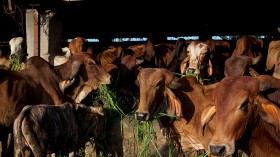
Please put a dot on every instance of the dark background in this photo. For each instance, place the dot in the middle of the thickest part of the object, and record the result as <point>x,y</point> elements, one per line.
<point>109,19</point>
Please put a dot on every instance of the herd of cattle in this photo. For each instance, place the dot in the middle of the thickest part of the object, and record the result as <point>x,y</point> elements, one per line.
<point>222,97</point>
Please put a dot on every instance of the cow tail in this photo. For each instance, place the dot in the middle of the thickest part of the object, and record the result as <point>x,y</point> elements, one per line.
<point>19,140</point>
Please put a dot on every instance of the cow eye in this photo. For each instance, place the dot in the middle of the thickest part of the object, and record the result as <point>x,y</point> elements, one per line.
<point>91,63</point>
<point>244,106</point>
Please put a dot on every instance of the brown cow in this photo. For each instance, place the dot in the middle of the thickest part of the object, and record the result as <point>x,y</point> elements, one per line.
<point>251,47</point>
<point>161,92</point>
<point>240,65</point>
<point>162,55</point>
<point>80,64</point>
<point>244,118</point>
<point>40,82</point>
<point>78,44</point>
<point>44,129</point>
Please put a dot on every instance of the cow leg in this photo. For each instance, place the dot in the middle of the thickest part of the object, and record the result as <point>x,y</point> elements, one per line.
<point>38,152</point>
<point>6,143</point>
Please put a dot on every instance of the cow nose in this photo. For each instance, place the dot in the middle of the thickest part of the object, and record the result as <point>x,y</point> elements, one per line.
<point>217,150</point>
<point>141,116</point>
<point>190,70</point>
<point>12,56</point>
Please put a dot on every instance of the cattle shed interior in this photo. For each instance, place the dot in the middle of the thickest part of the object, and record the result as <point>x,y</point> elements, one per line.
<point>105,20</point>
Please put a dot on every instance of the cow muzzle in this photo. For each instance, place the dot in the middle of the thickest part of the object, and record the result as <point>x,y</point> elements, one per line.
<point>221,149</point>
<point>141,116</point>
<point>217,150</point>
<point>190,71</point>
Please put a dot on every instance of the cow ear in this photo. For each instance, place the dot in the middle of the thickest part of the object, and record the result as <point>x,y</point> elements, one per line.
<point>206,116</point>
<point>75,69</point>
<point>270,113</point>
<point>149,50</point>
<point>136,82</point>
<point>184,65</point>
<point>172,103</point>
<point>210,68</point>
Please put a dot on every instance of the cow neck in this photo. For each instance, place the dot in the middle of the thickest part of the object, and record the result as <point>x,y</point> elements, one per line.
<point>63,71</point>
<point>264,136</point>
<point>259,138</point>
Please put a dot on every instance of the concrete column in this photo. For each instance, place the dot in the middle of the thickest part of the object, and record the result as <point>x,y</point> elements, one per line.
<point>50,35</point>
<point>43,39</point>
<point>32,29</point>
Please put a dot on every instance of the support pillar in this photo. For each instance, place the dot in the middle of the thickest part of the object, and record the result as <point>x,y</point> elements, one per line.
<point>32,28</point>
<point>44,37</point>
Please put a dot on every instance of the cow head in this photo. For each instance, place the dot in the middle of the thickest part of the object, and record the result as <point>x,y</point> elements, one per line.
<point>91,120</point>
<point>78,44</point>
<point>198,60</point>
<point>273,54</point>
<point>238,104</point>
<point>17,46</point>
<point>240,65</point>
<point>156,95</point>
<point>88,75</point>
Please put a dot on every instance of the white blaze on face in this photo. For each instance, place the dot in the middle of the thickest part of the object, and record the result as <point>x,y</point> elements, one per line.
<point>196,52</point>
<point>16,45</point>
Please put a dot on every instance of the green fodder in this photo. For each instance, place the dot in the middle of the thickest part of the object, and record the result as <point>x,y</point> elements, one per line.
<point>15,62</point>
<point>143,138</point>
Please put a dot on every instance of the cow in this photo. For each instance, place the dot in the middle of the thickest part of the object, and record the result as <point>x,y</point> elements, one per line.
<point>162,55</point>
<point>272,59</point>
<point>182,99</point>
<point>240,65</point>
<point>18,47</point>
<point>220,53</point>
<point>41,82</point>
<point>78,44</point>
<point>251,47</point>
<point>81,66</point>
<point>45,129</point>
<point>198,61</point>
<point>16,56</point>
<point>244,118</point>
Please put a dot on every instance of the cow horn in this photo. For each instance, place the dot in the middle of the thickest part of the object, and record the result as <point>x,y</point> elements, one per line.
<point>210,68</point>
<point>149,50</point>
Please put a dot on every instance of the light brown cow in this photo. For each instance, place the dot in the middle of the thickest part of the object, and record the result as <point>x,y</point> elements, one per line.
<point>272,60</point>
<point>244,118</point>
<point>161,92</point>
<point>198,60</point>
